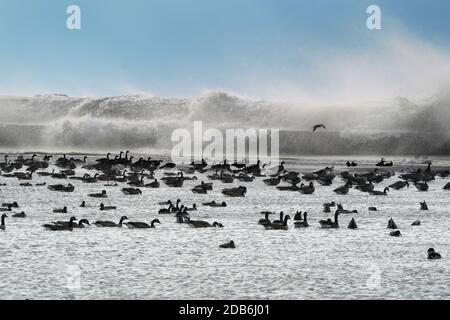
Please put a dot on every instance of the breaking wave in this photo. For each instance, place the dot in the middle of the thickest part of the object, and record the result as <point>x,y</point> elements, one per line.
<point>50,122</point>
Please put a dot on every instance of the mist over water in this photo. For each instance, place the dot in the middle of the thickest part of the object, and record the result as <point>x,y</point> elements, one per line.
<point>140,122</point>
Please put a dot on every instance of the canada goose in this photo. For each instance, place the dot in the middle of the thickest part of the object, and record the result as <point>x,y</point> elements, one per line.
<point>423,206</point>
<point>63,210</point>
<point>106,208</point>
<point>266,219</point>
<point>41,184</point>
<point>98,195</point>
<point>142,225</point>
<point>352,224</point>
<point>163,203</point>
<point>215,204</point>
<point>317,126</point>
<point>80,224</point>
<point>383,163</point>
<point>194,208</point>
<point>272,181</point>
<point>228,245</point>
<point>166,210</point>
<point>278,226</point>
<point>206,186</point>
<point>177,206</point>
<point>280,221</point>
<point>235,192</point>
<point>373,209</point>
<point>447,186</point>
<point>307,189</point>
<point>298,216</point>
<point>366,187</point>
<point>329,223</point>
<point>304,223</point>
<point>110,224</point>
<point>421,186</point>
<point>201,224</point>
<point>395,233</point>
<point>340,209</point>
<point>399,185</point>
<point>344,189</point>
<point>60,227</point>
<point>226,178</point>
<point>62,188</point>
<point>379,193</point>
<point>416,223</point>
<point>11,205</point>
<point>433,254</point>
<point>131,191</point>
<point>391,224</point>
<point>199,190</point>
<point>46,174</point>
<point>19,215</point>
<point>154,184</point>
<point>326,207</point>
<point>2,226</point>
<point>27,184</point>
<point>83,204</point>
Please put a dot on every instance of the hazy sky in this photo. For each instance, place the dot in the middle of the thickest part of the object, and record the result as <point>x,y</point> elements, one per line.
<point>287,49</point>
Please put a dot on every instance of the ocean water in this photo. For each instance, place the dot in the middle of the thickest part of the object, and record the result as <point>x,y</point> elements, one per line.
<point>174,261</point>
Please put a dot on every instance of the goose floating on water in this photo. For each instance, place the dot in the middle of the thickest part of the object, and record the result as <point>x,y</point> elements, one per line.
<point>421,186</point>
<point>11,205</point>
<point>266,219</point>
<point>201,224</point>
<point>106,208</point>
<point>433,254</point>
<point>395,233</point>
<point>379,193</point>
<point>391,224</point>
<point>62,188</point>
<point>235,192</point>
<point>98,195</point>
<point>142,225</point>
<point>78,225</point>
<point>399,185</point>
<point>63,210</point>
<point>60,227</point>
<point>2,225</point>
<point>228,245</point>
<point>303,223</point>
<point>19,215</point>
<point>110,224</point>
<point>423,205</point>
<point>131,191</point>
<point>278,226</point>
<point>309,189</point>
<point>215,204</point>
<point>329,224</point>
<point>344,189</point>
<point>352,224</point>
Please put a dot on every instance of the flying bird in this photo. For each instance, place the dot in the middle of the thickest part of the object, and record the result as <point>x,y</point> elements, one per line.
<point>317,126</point>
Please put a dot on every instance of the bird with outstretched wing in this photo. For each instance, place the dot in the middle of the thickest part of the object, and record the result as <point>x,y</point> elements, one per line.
<point>317,126</point>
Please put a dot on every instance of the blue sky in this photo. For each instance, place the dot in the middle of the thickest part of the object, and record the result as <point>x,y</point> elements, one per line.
<point>180,48</point>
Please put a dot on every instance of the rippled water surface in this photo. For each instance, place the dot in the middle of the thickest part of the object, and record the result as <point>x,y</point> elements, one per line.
<point>174,261</point>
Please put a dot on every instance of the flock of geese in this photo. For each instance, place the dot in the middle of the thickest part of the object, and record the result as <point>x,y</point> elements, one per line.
<point>135,176</point>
